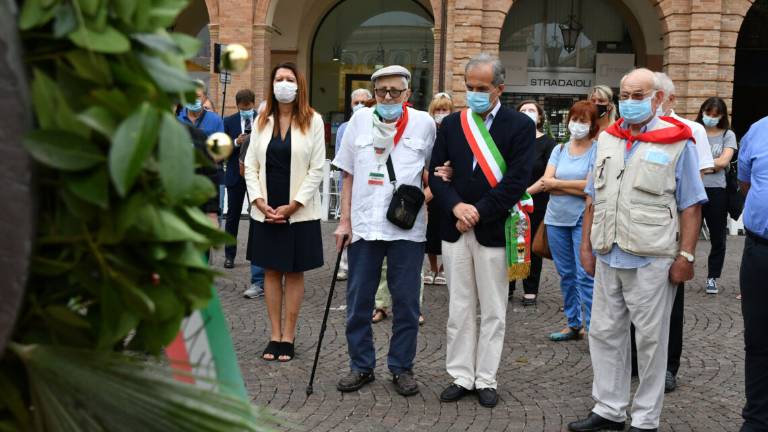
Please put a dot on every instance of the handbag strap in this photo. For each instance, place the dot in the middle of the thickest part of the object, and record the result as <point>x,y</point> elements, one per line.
<point>391,170</point>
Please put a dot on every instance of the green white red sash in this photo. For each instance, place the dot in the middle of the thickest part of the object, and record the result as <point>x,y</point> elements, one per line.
<point>517,228</point>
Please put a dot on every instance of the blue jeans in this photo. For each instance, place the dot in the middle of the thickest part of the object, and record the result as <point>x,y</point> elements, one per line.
<point>404,260</point>
<point>257,275</point>
<point>575,284</point>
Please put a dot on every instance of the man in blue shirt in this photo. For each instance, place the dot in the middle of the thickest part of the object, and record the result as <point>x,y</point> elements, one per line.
<point>753,179</point>
<point>193,114</point>
<point>643,225</point>
<point>209,122</point>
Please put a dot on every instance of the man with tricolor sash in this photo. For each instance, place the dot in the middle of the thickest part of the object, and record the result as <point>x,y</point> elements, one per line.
<point>389,131</point>
<point>641,223</point>
<point>485,228</point>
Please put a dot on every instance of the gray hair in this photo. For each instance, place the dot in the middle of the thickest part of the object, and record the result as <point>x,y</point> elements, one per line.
<point>405,81</point>
<point>201,85</point>
<point>359,91</point>
<point>656,83</point>
<point>484,59</point>
<point>665,83</point>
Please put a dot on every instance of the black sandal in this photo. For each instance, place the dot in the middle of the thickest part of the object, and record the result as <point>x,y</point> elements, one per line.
<point>273,349</point>
<point>286,349</point>
<point>529,301</point>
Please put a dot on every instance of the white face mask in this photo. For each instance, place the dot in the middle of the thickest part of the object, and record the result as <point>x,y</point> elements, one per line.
<point>439,117</point>
<point>357,107</point>
<point>578,130</point>
<point>285,91</point>
<point>533,115</point>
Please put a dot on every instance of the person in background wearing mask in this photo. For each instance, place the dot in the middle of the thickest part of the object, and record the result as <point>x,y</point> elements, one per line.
<point>209,123</point>
<point>565,179</point>
<point>642,220</point>
<point>753,175</point>
<point>543,150</point>
<point>193,113</point>
<point>713,115</point>
<point>675,350</point>
<point>390,130</point>
<point>491,150</point>
<point>238,126</point>
<point>358,98</point>
<point>439,108</point>
<point>283,172</point>
<point>602,97</point>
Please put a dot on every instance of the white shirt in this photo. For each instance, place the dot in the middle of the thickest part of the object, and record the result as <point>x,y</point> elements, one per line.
<point>702,142</point>
<point>488,123</point>
<point>409,158</point>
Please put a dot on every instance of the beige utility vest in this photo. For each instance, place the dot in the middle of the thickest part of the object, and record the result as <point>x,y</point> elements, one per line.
<point>634,203</point>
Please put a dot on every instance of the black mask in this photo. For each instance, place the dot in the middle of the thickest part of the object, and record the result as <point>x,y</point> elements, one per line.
<point>602,110</point>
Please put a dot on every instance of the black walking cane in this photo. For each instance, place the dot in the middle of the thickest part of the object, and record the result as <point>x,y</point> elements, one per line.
<point>325,316</point>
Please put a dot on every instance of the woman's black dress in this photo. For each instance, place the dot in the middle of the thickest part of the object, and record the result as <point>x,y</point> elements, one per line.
<point>289,247</point>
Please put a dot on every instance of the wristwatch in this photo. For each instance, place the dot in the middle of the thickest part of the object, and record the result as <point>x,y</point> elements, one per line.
<point>688,256</point>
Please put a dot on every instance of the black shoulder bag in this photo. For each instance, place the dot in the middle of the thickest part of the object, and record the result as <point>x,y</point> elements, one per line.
<point>406,201</point>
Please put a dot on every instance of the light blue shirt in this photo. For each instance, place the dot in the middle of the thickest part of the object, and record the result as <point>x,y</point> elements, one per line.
<point>753,169</point>
<point>689,191</point>
<point>566,210</point>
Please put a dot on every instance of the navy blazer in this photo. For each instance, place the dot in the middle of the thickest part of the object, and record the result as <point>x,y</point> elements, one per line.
<point>515,135</point>
<point>233,129</point>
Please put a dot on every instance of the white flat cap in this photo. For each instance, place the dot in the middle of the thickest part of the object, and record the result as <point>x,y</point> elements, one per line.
<point>394,70</point>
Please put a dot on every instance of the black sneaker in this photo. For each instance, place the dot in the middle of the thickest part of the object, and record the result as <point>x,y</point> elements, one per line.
<point>637,429</point>
<point>405,384</point>
<point>487,397</point>
<point>229,263</point>
<point>670,383</point>
<point>354,381</point>
<point>594,423</point>
<point>453,392</point>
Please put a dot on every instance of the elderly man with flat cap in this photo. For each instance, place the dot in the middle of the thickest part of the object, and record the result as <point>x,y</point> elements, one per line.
<point>390,130</point>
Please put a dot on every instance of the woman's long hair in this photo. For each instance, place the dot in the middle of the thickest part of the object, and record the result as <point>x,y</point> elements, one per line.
<point>302,112</point>
<point>715,104</point>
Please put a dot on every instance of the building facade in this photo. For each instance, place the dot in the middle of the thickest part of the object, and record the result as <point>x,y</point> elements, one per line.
<point>553,50</point>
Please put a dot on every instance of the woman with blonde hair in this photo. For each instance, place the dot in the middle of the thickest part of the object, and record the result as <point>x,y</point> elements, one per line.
<point>283,171</point>
<point>439,108</point>
<point>602,96</point>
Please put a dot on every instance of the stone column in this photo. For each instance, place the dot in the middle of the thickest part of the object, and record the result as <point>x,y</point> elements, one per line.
<point>261,62</point>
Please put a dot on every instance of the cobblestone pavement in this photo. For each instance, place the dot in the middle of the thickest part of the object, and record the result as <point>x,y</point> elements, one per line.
<point>542,385</point>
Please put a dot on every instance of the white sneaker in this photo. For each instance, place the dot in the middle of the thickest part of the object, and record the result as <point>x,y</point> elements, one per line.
<point>428,278</point>
<point>711,286</point>
<point>440,279</point>
<point>254,291</point>
<point>341,275</point>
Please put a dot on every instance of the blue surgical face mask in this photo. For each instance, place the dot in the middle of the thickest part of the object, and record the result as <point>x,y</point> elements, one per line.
<point>636,112</point>
<point>479,102</point>
<point>246,114</point>
<point>710,122</point>
<point>389,111</point>
<point>357,107</point>
<point>195,106</point>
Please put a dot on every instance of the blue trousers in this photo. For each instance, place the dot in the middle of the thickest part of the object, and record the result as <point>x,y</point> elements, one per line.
<point>257,275</point>
<point>575,284</point>
<point>404,260</point>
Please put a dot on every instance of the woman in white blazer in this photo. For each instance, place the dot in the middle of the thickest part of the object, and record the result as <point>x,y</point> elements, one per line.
<point>283,171</point>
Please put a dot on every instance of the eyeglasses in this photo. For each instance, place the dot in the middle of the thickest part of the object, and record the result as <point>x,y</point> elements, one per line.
<point>393,93</point>
<point>638,95</point>
<point>441,95</point>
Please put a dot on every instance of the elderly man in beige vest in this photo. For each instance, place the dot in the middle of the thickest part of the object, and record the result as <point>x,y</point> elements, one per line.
<point>640,230</point>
